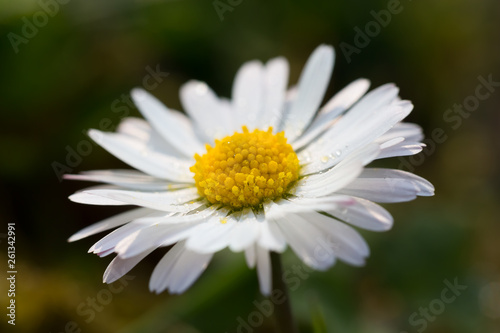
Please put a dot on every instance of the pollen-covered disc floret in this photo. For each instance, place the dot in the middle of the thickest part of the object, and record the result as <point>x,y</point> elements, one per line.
<point>246,168</point>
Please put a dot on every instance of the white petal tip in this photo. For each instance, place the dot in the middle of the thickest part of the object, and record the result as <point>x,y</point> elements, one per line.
<point>74,238</point>
<point>138,93</point>
<point>95,135</point>
<point>326,48</point>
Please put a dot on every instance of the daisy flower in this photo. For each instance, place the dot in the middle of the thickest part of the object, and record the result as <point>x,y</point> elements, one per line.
<point>269,168</point>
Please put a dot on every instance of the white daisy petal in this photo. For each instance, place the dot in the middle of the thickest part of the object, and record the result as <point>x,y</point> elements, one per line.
<point>112,239</point>
<point>250,256</point>
<point>85,196</point>
<point>362,112</point>
<point>339,239</point>
<point>408,131</point>
<point>334,179</point>
<point>213,234</point>
<point>320,125</point>
<point>137,155</point>
<point>337,177</point>
<point>245,231</point>
<point>401,149</point>
<point>105,253</point>
<point>305,239</point>
<point>160,277</point>
<point>210,114</point>
<point>311,89</point>
<point>387,185</point>
<point>248,93</point>
<point>137,128</point>
<point>162,230</point>
<point>346,97</point>
<point>271,237</point>
<point>140,130</point>
<point>182,200</point>
<point>187,269</point>
<point>172,125</point>
<point>347,137</point>
<point>378,97</point>
<point>264,270</point>
<point>118,267</point>
<point>178,269</point>
<point>330,112</point>
<point>356,211</point>
<point>276,80</point>
<point>110,223</point>
<point>130,179</point>
<point>304,205</point>
<point>152,237</point>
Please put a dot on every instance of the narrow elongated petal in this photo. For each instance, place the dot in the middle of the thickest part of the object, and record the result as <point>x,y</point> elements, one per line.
<point>110,223</point>
<point>109,241</point>
<point>173,126</point>
<point>182,200</point>
<point>140,130</point>
<point>401,149</point>
<point>248,93</point>
<point>340,239</point>
<point>304,238</point>
<point>211,115</point>
<point>86,196</point>
<point>212,235</point>
<point>137,155</point>
<point>408,131</point>
<point>311,89</point>
<point>264,270</point>
<point>276,80</point>
<point>250,256</point>
<point>386,185</point>
<point>349,136</point>
<point>152,237</point>
<point>178,269</point>
<point>358,212</point>
<point>118,267</point>
<point>331,111</point>
<point>245,232</point>
<point>336,178</point>
<point>130,179</point>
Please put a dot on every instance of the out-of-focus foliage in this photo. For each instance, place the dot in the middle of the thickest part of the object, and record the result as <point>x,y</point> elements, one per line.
<point>75,70</point>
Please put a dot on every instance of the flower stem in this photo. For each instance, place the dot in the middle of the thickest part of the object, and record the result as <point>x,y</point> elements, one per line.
<point>283,312</point>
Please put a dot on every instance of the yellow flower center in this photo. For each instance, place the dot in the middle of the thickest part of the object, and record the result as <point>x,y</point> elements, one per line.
<point>245,169</point>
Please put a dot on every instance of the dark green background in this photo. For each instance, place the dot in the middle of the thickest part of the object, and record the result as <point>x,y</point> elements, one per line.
<point>72,73</point>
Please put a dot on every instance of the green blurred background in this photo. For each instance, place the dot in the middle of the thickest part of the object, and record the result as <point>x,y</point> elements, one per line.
<point>71,73</point>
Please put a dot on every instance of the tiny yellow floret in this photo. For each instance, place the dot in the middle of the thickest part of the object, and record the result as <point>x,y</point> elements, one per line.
<point>246,168</point>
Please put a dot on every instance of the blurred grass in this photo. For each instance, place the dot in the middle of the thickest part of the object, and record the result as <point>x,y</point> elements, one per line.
<point>66,79</point>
